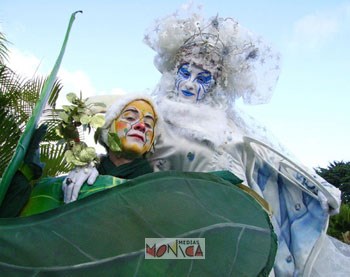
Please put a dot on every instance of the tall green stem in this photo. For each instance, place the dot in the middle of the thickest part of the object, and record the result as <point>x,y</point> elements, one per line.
<point>24,140</point>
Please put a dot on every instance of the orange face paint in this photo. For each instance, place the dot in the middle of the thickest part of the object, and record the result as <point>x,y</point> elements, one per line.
<point>135,127</point>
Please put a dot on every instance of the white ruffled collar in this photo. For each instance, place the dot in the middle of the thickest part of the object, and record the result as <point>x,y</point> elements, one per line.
<point>195,121</point>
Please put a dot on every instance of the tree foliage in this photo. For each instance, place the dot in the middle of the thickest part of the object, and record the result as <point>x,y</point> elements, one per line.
<point>18,97</point>
<point>338,174</point>
<point>339,225</point>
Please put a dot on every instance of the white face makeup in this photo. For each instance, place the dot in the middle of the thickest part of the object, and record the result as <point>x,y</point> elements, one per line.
<point>193,83</point>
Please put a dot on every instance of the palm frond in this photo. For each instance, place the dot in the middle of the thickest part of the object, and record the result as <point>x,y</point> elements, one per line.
<point>18,98</point>
<point>52,154</point>
<point>3,48</point>
<point>9,136</point>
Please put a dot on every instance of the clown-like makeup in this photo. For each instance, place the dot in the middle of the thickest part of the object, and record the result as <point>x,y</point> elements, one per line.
<point>193,83</point>
<point>135,127</point>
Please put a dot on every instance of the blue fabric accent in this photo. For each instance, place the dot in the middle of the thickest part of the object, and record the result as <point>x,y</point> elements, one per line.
<point>284,219</point>
<point>298,218</point>
<point>264,173</point>
<point>307,184</point>
<point>307,198</point>
<point>305,231</point>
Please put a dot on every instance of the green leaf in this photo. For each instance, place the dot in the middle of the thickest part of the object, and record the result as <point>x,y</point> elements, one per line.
<point>66,108</point>
<point>77,147</point>
<point>114,142</point>
<point>97,134</point>
<point>87,155</point>
<point>64,116</point>
<point>53,157</point>
<point>71,97</point>
<point>239,237</point>
<point>85,119</point>
<point>59,132</point>
<point>69,156</point>
<point>78,163</point>
<point>76,118</point>
<point>97,121</point>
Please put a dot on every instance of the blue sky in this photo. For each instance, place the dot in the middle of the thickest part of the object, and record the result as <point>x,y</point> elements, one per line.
<point>309,111</point>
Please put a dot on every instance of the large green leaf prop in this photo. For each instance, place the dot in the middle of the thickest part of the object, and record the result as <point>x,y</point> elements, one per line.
<point>23,143</point>
<point>104,234</point>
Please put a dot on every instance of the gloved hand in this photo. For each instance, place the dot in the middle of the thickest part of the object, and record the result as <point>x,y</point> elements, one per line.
<point>32,167</point>
<point>75,179</point>
<point>329,204</point>
<point>336,193</point>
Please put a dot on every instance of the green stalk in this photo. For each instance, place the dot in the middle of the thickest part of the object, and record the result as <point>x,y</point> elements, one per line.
<point>25,138</point>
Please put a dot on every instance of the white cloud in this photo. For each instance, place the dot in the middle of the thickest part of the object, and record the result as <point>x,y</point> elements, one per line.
<point>27,65</point>
<point>76,82</point>
<point>315,30</point>
<point>24,64</point>
<point>113,91</point>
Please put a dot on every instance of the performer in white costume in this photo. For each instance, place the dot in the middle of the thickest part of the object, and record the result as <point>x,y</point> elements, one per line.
<point>206,66</point>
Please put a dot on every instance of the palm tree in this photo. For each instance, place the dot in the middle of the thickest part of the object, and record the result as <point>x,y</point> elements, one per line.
<point>3,48</point>
<point>18,97</point>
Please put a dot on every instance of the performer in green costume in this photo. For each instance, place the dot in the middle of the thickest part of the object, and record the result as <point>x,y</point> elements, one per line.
<point>127,135</point>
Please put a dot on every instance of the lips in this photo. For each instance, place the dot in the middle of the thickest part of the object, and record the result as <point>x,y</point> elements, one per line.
<point>137,136</point>
<point>187,93</point>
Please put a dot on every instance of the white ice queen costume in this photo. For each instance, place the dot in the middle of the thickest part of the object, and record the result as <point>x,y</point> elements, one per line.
<point>212,134</point>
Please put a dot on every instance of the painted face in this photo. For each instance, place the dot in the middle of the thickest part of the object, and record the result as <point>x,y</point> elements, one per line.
<point>192,82</point>
<point>135,127</point>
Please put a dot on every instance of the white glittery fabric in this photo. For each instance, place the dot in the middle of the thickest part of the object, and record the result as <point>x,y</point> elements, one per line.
<point>248,67</point>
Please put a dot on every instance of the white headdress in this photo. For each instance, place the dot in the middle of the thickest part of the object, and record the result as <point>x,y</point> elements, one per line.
<point>244,66</point>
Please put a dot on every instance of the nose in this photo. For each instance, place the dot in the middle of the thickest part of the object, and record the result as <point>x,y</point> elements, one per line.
<point>190,86</point>
<point>140,126</point>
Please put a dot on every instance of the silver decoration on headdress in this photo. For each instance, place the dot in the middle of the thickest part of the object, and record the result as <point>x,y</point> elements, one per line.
<point>243,65</point>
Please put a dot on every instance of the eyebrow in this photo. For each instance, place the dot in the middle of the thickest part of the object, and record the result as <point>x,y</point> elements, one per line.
<point>132,109</point>
<point>150,117</point>
<point>183,66</point>
<point>206,72</point>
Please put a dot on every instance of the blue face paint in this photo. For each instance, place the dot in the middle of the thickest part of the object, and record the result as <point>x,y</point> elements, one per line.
<point>192,82</point>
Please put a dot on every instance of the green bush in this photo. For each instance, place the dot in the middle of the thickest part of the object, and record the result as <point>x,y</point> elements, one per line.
<point>339,224</point>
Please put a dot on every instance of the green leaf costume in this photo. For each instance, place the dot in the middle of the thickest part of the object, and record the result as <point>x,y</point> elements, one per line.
<point>104,234</point>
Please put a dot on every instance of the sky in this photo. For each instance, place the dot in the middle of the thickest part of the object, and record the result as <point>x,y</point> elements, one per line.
<point>309,111</point>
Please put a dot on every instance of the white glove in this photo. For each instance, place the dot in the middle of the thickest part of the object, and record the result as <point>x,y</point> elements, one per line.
<point>330,207</point>
<point>76,178</point>
<point>336,193</point>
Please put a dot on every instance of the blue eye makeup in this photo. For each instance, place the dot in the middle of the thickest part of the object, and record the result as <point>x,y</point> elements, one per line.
<point>204,78</point>
<point>184,72</point>
<point>193,82</point>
